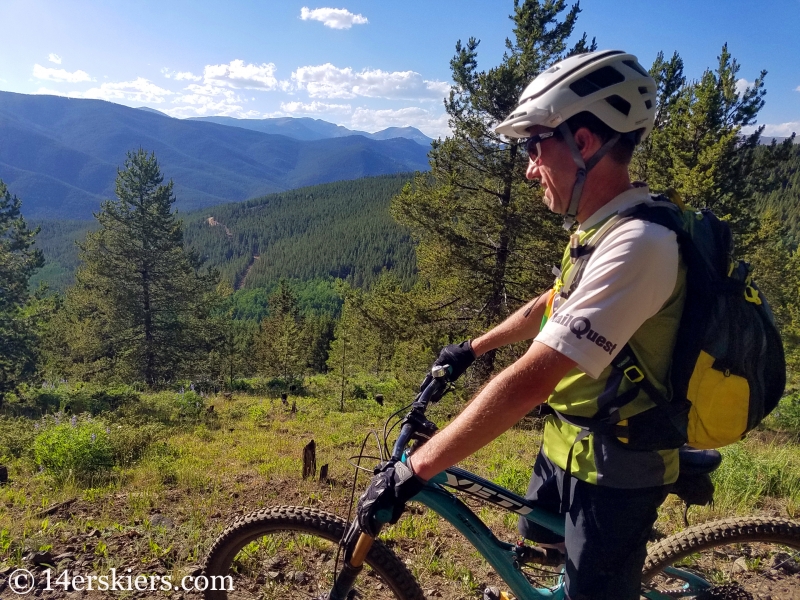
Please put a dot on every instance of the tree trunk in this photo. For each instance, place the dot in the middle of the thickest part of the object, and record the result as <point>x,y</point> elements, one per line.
<point>149,369</point>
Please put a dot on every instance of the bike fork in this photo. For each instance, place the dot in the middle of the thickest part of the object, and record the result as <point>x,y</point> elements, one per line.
<point>353,564</point>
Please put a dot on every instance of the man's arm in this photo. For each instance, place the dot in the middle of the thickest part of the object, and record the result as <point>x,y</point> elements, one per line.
<point>522,325</point>
<point>502,403</point>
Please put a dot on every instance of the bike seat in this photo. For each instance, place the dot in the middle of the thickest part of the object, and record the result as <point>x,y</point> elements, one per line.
<point>698,462</point>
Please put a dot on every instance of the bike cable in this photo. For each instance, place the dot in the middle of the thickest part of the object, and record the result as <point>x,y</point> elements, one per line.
<point>358,468</point>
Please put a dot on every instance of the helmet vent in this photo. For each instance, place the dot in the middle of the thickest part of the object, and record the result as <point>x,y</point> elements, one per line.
<point>648,104</point>
<point>636,67</point>
<point>596,80</point>
<point>620,104</point>
<point>643,90</point>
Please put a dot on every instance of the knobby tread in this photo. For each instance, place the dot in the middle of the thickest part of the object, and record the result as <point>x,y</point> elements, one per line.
<point>311,520</point>
<point>716,533</point>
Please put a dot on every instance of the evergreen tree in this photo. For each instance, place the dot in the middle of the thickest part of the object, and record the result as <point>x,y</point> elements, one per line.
<point>697,146</point>
<point>139,303</point>
<point>281,344</point>
<point>18,262</point>
<point>319,333</point>
<point>353,350</point>
<point>486,242</point>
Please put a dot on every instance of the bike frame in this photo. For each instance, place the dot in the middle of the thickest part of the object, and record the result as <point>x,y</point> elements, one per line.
<point>501,555</point>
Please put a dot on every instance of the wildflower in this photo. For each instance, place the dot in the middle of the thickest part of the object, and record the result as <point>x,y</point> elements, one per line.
<point>191,386</point>
<point>36,426</point>
<point>73,421</point>
<point>94,437</point>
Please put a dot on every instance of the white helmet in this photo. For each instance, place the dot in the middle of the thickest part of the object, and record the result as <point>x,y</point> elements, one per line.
<point>610,84</point>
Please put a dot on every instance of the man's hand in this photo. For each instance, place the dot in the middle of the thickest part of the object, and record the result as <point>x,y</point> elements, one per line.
<point>393,484</point>
<point>458,356</point>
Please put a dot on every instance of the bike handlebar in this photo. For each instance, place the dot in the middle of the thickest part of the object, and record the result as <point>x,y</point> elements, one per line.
<point>415,419</point>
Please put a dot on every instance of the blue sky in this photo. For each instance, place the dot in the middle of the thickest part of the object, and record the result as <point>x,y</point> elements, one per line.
<point>363,64</point>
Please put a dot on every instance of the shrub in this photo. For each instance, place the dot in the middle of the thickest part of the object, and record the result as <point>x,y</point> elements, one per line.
<point>129,443</point>
<point>191,405</point>
<point>786,417</point>
<point>16,437</point>
<point>77,399</point>
<point>76,448</point>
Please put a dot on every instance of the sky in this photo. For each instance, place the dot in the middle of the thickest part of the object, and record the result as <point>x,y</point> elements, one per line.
<point>366,65</point>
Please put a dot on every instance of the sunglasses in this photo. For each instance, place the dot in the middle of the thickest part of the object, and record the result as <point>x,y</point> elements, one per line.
<point>534,144</point>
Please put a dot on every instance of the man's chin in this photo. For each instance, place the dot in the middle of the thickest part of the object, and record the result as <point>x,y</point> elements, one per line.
<point>548,202</point>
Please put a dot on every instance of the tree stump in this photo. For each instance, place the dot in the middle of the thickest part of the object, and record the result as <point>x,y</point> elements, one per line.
<point>294,406</point>
<point>4,474</point>
<point>310,460</point>
<point>323,473</point>
<point>379,399</point>
<point>285,398</point>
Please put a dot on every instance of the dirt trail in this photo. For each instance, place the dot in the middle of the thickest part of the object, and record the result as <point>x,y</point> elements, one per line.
<point>214,223</point>
<point>240,280</point>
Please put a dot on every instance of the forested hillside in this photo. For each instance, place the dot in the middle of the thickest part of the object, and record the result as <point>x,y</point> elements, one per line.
<point>786,199</point>
<point>340,229</point>
<point>58,242</point>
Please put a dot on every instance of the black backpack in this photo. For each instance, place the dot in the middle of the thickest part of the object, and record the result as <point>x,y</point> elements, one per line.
<point>728,367</point>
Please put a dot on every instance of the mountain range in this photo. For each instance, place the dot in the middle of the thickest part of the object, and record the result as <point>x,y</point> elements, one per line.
<point>61,155</point>
<point>304,128</point>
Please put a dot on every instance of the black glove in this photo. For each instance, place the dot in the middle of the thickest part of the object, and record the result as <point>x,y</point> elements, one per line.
<point>393,484</point>
<point>458,356</point>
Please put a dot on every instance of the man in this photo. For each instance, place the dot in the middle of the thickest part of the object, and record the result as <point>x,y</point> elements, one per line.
<point>583,118</point>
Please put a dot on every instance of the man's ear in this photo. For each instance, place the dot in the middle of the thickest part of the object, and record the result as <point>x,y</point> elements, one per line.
<point>587,142</point>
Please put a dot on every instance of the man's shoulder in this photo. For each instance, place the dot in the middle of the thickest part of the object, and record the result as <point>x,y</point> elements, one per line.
<point>634,235</point>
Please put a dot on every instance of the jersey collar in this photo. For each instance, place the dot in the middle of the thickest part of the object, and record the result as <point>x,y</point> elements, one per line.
<point>627,199</point>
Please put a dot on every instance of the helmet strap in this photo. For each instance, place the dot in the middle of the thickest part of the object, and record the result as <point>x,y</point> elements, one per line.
<point>583,169</point>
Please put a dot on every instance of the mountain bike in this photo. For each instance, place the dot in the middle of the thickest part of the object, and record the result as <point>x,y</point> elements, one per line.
<point>291,552</point>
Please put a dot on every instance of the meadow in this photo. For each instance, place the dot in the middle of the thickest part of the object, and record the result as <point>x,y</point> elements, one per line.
<point>127,480</point>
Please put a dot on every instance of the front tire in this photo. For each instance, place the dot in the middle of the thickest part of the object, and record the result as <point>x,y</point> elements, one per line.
<point>742,558</point>
<point>288,552</point>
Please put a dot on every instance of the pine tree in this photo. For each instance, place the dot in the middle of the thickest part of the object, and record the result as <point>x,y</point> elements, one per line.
<point>281,344</point>
<point>18,262</point>
<point>486,242</point>
<point>136,310</point>
<point>697,146</point>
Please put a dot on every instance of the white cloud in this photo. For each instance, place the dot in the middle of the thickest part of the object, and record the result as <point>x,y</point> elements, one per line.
<point>47,74</point>
<point>742,85</point>
<point>335,18</point>
<point>139,90</point>
<point>430,123</point>
<point>781,129</point>
<point>180,75</point>
<point>54,58</point>
<point>237,74</point>
<point>328,81</point>
<point>207,100</point>
<point>797,89</point>
<point>312,108</point>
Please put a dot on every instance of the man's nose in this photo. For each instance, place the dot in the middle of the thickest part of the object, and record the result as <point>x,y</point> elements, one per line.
<point>533,169</point>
